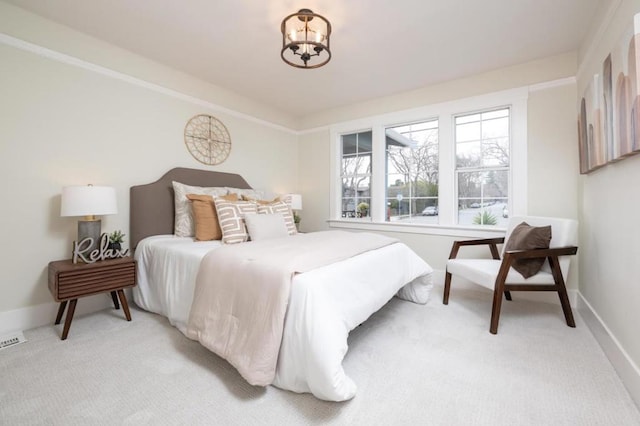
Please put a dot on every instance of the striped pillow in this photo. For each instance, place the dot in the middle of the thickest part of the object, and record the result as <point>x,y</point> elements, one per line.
<point>280,207</point>
<point>231,219</point>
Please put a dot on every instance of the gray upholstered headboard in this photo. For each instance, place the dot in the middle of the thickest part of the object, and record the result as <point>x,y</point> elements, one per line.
<point>151,205</point>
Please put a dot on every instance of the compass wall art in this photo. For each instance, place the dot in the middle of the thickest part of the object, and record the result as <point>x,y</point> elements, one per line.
<point>207,139</point>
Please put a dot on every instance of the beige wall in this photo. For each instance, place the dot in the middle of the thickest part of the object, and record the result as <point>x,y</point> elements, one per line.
<point>552,151</point>
<point>31,28</point>
<point>313,164</point>
<point>552,154</point>
<point>609,205</point>
<point>64,125</point>
<point>540,71</point>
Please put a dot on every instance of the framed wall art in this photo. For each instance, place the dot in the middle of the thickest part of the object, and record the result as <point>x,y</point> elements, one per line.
<point>609,110</point>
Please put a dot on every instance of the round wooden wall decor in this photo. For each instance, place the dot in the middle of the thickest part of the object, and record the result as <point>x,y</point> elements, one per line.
<point>207,139</point>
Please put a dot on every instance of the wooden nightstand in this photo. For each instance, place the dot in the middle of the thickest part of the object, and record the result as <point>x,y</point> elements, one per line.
<point>69,281</point>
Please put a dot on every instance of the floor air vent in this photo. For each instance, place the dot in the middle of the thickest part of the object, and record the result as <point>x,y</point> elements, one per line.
<point>12,339</point>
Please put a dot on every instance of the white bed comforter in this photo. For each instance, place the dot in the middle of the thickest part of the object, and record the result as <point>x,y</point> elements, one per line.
<point>325,304</point>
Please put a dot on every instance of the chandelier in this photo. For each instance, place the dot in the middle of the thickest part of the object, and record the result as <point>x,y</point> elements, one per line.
<point>305,39</point>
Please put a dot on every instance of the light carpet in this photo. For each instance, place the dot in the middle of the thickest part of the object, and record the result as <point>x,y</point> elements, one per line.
<point>413,364</point>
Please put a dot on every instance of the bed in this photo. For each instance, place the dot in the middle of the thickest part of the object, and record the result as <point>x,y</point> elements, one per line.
<point>323,304</point>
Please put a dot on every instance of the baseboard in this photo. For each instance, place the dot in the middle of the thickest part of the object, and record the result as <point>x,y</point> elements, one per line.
<point>43,314</point>
<point>534,296</point>
<point>627,370</point>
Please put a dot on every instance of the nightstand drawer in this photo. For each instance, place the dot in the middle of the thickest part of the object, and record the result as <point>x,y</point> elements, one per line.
<point>70,281</point>
<point>72,285</point>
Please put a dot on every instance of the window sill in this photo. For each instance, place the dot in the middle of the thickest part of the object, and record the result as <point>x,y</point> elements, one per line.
<point>412,228</point>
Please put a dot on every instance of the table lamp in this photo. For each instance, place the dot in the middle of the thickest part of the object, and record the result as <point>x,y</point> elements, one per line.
<point>88,201</point>
<point>295,201</point>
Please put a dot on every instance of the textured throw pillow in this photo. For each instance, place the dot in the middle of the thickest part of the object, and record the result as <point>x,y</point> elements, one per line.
<point>284,209</point>
<point>251,194</point>
<point>205,216</point>
<point>265,226</point>
<point>525,237</point>
<point>184,225</point>
<point>258,201</point>
<point>231,219</point>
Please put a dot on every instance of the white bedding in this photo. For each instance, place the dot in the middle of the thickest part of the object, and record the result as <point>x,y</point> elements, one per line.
<point>167,269</point>
<point>325,304</point>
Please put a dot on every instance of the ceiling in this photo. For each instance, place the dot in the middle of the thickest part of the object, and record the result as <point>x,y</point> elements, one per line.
<point>379,47</point>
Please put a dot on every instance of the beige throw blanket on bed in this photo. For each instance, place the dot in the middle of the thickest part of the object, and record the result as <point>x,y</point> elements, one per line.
<point>242,292</point>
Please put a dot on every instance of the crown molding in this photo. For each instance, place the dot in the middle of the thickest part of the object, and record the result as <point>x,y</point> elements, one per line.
<point>552,84</point>
<point>604,25</point>
<point>117,75</point>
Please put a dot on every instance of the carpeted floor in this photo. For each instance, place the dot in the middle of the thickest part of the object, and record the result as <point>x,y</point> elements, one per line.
<point>413,364</point>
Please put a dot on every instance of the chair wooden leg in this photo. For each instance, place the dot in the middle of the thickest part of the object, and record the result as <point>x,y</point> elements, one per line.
<point>447,288</point>
<point>495,311</point>
<point>498,291</point>
<point>507,295</point>
<point>562,291</point>
<point>566,307</point>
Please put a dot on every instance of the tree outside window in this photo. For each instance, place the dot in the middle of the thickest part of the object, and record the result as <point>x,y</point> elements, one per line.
<point>482,167</point>
<point>412,172</point>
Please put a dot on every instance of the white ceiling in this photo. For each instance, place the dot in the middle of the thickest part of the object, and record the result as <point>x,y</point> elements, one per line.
<point>379,47</point>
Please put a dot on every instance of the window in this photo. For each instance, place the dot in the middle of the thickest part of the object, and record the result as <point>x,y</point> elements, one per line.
<point>412,172</point>
<point>356,174</point>
<point>455,168</point>
<point>482,167</point>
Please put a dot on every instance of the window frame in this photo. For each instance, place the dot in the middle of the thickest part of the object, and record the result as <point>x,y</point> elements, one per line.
<point>445,112</point>
<point>481,168</point>
<point>356,174</point>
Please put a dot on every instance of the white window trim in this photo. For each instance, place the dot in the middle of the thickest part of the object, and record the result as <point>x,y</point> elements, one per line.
<point>516,99</point>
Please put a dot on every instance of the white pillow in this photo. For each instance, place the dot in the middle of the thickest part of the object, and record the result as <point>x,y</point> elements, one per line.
<point>184,225</point>
<point>282,208</point>
<point>265,226</point>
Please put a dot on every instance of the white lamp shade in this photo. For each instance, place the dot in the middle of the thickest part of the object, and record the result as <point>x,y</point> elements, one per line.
<point>295,200</point>
<point>88,201</point>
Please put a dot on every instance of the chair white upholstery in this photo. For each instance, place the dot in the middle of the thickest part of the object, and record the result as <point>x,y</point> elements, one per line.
<point>485,272</point>
<point>564,232</point>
